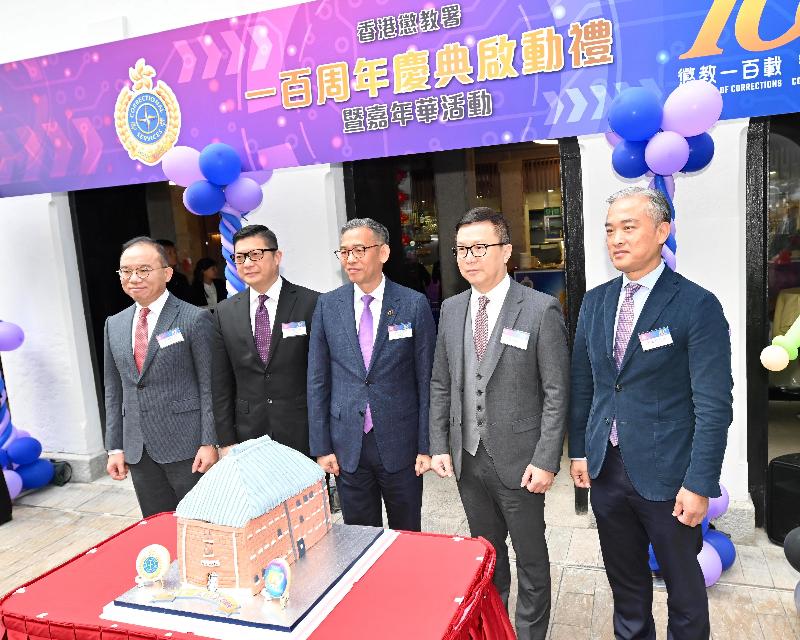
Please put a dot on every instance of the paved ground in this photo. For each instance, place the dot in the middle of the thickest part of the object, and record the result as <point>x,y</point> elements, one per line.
<point>754,599</point>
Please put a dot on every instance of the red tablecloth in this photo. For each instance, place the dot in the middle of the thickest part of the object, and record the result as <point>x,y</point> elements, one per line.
<point>423,586</point>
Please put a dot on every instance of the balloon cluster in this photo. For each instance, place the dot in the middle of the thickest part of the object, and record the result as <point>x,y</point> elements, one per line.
<point>663,139</point>
<point>19,452</point>
<point>791,548</point>
<point>215,183</point>
<point>718,552</point>
<point>776,357</point>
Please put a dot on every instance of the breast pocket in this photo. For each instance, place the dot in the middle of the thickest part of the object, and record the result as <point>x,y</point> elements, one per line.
<point>187,404</point>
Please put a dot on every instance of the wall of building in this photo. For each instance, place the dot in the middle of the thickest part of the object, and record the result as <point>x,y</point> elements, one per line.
<point>710,219</point>
<point>50,381</point>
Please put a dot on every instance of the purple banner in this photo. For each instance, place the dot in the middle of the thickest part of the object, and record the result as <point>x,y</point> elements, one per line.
<point>339,80</point>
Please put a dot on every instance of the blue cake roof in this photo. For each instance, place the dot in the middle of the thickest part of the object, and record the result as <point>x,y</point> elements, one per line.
<point>254,478</point>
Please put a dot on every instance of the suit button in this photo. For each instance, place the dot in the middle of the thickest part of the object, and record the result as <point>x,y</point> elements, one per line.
<point>140,386</point>
<point>269,400</point>
<point>367,382</point>
<point>479,408</point>
<point>479,376</point>
<point>618,388</point>
<point>267,375</point>
<point>480,423</point>
<point>608,420</point>
<point>361,413</point>
<point>480,392</point>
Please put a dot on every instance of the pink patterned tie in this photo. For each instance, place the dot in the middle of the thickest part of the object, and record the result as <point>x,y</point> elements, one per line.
<point>262,334</point>
<point>481,336</point>
<point>624,330</point>
<point>140,342</point>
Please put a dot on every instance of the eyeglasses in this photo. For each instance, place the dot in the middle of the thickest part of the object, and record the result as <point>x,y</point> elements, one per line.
<point>477,250</point>
<point>141,272</point>
<point>358,252</point>
<point>254,254</point>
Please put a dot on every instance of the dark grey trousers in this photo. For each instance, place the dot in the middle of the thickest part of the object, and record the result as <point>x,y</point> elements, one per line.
<point>494,511</point>
<point>160,487</point>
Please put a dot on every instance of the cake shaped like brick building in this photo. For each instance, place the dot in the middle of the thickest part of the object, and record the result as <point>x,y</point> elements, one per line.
<point>260,502</point>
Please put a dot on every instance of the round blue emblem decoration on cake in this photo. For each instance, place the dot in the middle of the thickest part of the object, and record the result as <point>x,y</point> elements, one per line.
<point>152,563</point>
<point>276,577</point>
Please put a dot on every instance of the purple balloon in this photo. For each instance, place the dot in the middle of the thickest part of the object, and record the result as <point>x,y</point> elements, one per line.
<point>666,153</point>
<point>14,482</point>
<point>244,194</point>
<point>11,336</point>
<point>669,181</point>
<point>261,177</point>
<point>229,209</point>
<point>21,433</point>
<point>692,108</point>
<point>710,563</point>
<point>612,138</point>
<point>669,257</point>
<point>182,165</point>
<point>718,506</point>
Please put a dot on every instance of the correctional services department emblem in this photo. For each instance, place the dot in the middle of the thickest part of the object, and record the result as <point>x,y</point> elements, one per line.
<point>147,119</point>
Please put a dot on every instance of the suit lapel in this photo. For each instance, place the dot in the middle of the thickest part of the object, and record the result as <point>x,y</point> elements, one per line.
<point>509,313</point>
<point>283,313</point>
<point>165,320</point>
<point>347,313</point>
<point>389,311</point>
<point>126,337</point>
<point>244,329</point>
<point>664,290</point>
<point>610,303</point>
<point>458,319</point>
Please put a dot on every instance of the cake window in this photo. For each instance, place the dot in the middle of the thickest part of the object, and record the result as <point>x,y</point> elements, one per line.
<point>280,532</point>
<point>255,579</point>
<point>208,548</point>
<point>297,503</point>
<point>302,519</point>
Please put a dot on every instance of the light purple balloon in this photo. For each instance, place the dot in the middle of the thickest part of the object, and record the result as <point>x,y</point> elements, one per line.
<point>612,138</point>
<point>261,177</point>
<point>21,433</point>
<point>11,437</point>
<point>229,209</point>
<point>244,194</point>
<point>14,482</point>
<point>718,506</point>
<point>692,108</point>
<point>666,153</point>
<point>11,336</point>
<point>710,563</point>
<point>182,165</point>
<point>669,181</point>
<point>669,257</point>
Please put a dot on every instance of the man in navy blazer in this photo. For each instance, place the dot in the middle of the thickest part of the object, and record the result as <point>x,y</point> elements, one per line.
<point>650,411</point>
<point>369,372</point>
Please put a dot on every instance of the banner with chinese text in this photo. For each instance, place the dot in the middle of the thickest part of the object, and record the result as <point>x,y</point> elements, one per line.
<point>339,80</point>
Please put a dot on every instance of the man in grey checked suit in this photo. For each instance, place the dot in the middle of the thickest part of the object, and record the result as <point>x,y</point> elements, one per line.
<point>159,421</point>
<point>499,397</point>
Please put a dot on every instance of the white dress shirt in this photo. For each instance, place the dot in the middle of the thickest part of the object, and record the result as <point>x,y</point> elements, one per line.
<point>152,318</point>
<point>374,306</point>
<point>497,297</point>
<point>273,293</point>
<point>210,290</point>
<point>647,283</point>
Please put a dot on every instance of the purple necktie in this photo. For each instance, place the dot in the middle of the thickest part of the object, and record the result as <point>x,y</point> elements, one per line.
<point>262,335</point>
<point>624,330</point>
<point>365,341</point>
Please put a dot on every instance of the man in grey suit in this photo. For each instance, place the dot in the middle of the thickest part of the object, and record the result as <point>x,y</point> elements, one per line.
<point>499,397</point>
<point>159,421</point>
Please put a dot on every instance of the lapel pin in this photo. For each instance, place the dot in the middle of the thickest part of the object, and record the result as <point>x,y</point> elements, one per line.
<point>390,312</point>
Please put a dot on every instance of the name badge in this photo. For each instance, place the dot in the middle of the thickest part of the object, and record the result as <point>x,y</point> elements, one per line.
<point>170,337</point>
<point>294,329</point>
<point>515,338</point>
<point>398,331</point>
<point>655,339</point>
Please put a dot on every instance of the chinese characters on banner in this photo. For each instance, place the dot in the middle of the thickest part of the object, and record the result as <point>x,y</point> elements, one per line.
<point>492,58</point>
<point>754,74</point>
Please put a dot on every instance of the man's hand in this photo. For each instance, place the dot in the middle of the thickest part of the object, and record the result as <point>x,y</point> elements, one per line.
<point>206,457</point>
<point>116,467</point>
<point>442,465</point>
<point>422,464</point>
<point>579,470</point>
<point>537,480</point>
<point>224,451</point>
<point>329,464</point>
<point>690,508</point>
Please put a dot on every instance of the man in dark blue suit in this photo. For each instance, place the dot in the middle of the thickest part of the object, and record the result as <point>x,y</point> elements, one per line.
<point>369,373</point>
<point>650,411</point>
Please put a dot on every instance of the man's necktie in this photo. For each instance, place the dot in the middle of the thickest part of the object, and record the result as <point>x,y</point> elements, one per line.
<point>481,335</point>
<point>624,329</point>
<point>263,335</point>
<point>140,341</point>
<point>365,340</point>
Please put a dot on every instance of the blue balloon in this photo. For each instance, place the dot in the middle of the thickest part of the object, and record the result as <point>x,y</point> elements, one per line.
<point>701,150</point>
<point>628,159</point>
<point>723,546</point>
<point>5,463</point>
<point>704,525</point>
<point>636,114</point>
<point>36,474</point>
<point>24,450</point>
<point>652,560</point>
<point>204,198</point>
<point>220,163</point>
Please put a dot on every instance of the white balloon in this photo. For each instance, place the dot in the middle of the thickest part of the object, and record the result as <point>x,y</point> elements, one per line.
<point>774,358</point>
